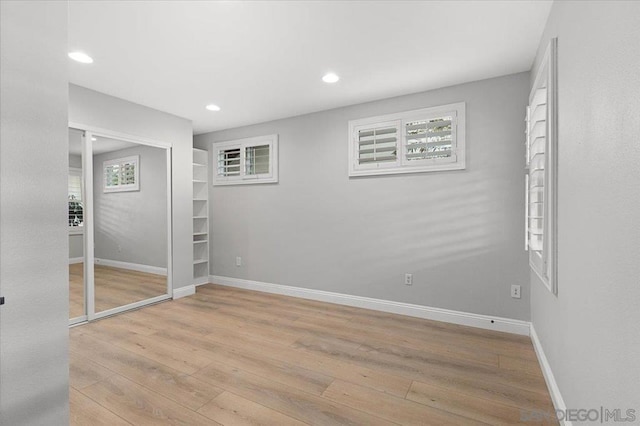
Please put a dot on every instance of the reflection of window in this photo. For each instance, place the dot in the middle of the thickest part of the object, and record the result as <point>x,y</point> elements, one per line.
<point>428,139</point>
<point>243,161</point>
<point>76,209</point>
<point>122,174</point>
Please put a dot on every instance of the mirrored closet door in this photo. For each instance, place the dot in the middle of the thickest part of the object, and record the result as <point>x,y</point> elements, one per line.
<point>126,221</point>
<point>77,293</point>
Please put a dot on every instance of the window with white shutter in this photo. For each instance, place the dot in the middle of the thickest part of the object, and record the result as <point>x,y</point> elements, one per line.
<point>229,162</point>
<point>541,162</point>
<point>121,174</point>
<point>429,139</point>
<point>76,206</point>
<point>246,161</point>
<point>377,145</point>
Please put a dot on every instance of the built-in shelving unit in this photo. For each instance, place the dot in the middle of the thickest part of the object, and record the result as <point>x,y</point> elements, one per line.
<point>200,218</point>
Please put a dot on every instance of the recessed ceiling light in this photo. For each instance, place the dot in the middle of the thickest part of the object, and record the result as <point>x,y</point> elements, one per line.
<point>212,107</point>
<point>93,139</point>
<point>330,78</point>
<point>81,57</point>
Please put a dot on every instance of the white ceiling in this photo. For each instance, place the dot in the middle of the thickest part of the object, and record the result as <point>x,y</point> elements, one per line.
<point>261,61</point>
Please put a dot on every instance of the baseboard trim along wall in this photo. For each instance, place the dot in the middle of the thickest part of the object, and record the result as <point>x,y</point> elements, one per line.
<point>185,291</point>
<point>74,260</point>
<point>552,385</point>
<point>132,266</point>
<point>437,314</point>
<point>201,280</point>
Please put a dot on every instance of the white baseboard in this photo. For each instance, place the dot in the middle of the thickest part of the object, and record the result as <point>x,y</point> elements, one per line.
<point>184,291</point>
<point>201,281</point>
<point>132,266</point>
<point>419,311</point>
<point>552,385</point>
<point>74,260</point>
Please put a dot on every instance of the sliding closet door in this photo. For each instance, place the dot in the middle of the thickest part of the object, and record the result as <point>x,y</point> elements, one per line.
<point>130,224</point>
<point>76,201</point>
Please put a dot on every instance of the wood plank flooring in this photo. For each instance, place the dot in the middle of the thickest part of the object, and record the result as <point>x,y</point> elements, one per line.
<point>236,357</point>
<point>113,287</point>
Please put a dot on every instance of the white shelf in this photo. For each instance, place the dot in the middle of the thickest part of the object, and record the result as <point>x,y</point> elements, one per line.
<point>200,216</point>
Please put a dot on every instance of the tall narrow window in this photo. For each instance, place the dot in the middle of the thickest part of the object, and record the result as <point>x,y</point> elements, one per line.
<point>424,140</point>
<point>542,146</point>
<point>246,161</point>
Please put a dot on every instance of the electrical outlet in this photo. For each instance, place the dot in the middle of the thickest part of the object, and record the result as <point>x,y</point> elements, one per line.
<point>408,279</point>
<point>515,291</point>
<point>238,261</point>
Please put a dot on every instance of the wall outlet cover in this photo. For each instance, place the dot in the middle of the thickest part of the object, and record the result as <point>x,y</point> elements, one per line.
<point>408,279</point>
<point>515,291</point>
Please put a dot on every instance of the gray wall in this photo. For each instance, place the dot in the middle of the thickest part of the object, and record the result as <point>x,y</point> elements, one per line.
<point>76,246</point>
<point>34,389</point>
<point>107,112</point>
<point>460,233</point>
<point>132,226</point>
<point>590,332</point>
<point>75,161</point>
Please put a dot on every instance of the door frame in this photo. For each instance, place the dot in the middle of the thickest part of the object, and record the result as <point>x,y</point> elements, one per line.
<point>89,255</point>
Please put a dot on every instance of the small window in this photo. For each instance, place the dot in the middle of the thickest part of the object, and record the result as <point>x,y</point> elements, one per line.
<point>541,178</point>
<point>76,207</point>
<point>122,174</point>
<point>429,139</point>
<point>246,161</point>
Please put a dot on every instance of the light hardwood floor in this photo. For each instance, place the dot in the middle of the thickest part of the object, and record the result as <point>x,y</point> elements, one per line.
<point>236,357</point>
<point>113,287</point>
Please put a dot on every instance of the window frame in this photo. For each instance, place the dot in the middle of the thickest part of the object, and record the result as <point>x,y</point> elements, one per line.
<point>242,144</point>
<point>545,262</point>
<point>120,162</point>
<point>402,164</point>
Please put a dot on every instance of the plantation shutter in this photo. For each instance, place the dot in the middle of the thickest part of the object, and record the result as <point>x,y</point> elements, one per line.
<point>112,175</point>
<point>229,162</point>
<point>246,161</point>
<point>377,143</point>
<point>256,159</point>
<point>121,174</point>
<point>430,139</point>
<point>537,141</point>
<point>128,172</point>
<point>75,197</point>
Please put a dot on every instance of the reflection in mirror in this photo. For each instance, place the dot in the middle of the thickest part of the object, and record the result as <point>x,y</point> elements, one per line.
<point>130,222</point>
<point>76,227</point>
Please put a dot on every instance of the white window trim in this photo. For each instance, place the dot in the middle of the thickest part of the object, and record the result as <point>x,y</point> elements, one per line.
<point>119,161</point>
<point>401,165</point>
<point>243,144</point>
<point>545,263</point>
